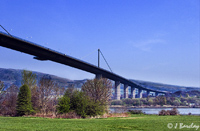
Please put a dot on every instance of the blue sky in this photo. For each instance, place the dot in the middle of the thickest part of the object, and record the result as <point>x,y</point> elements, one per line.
<point>150,40</point>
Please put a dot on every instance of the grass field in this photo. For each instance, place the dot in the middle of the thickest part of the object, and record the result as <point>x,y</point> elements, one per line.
<point>134,123</point>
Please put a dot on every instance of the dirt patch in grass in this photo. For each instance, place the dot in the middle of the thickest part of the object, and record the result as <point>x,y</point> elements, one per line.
<point>131,118</point>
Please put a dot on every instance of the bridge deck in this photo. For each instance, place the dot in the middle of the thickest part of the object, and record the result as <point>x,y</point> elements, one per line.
<point>42,53</point>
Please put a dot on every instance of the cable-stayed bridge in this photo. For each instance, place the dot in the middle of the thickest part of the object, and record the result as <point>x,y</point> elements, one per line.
<point>42,53</point>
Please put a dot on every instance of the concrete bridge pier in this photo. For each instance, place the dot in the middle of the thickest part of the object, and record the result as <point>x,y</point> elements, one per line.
<point>132,92</point>
<point>99,76</point>
<point>125,91</point>
<point>156,94</point>
<point>148,92</point>
<point>117,90</point>
<point>139,93</point>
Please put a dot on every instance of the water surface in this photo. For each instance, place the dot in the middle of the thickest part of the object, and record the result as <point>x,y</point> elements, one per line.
<point>182,111</point>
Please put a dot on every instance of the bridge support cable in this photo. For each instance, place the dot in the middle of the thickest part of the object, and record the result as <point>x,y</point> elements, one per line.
<point>43,53</point>
<point>6,30</point>
<point>99,52</point>
<point>88,54</point>
<point>98,58</point>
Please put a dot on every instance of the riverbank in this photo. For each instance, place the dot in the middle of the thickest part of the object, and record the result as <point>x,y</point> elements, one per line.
<point>155,110</point>
<point>158,106</point>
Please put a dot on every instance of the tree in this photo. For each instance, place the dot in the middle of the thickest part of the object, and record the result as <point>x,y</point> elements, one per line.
<point>161,100</point>
<point>78,103</point>
<point>35,99</point>
<point>24,105</point>
<point>1,88</point>
<point>187,95</point>
<point>98,90</point>
<point>94,108</point>
<point>150,102</point>
<point>63,105</point>
<point>69,92</point>
<point>46,86</point>
<point>136,102</point>
<point>57,92</point>
<point>29,79</point>
<point>8,104</point>
<point>177,102</point>
<point>49,92</point>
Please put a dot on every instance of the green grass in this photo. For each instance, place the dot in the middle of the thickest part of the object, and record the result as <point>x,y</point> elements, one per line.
<point>134,123</point>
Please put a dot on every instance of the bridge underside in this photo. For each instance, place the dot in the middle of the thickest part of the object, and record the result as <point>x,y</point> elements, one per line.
<point>42,53</point>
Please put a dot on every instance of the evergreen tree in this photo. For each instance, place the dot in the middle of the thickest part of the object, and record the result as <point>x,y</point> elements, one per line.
<point>24,105</point>
<point>63,105</point>
<point>78,103</point>
<point>94,108</point>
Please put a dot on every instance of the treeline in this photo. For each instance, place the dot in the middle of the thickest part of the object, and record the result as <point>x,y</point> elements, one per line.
<point>48,99</point>
<point>159,100</point>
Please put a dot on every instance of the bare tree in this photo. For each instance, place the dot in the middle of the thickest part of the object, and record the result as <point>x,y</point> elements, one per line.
<point>98,90</point>
<point>29,79</point>
<point>46,91</point>
<point>57,92</point>
<point>35,98</point>
<point>49,92</point>
<point>1,88</point>
<point>1,94</point>
<point>8,103</point>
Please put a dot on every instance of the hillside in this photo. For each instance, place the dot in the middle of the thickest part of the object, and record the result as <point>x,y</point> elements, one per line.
<point>165,87</point>
<point>13,76</point>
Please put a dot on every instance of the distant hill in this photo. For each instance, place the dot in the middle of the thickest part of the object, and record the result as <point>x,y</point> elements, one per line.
<point>13,76</point>
<point>165,87</point>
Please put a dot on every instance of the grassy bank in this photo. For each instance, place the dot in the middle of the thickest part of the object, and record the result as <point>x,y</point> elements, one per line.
<point>135,122</point>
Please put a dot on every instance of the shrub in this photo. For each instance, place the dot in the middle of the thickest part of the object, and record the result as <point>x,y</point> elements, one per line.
<point>63,105</point>
<point>128,101</point>
<point>78,103</point>
<point>8,101</point>
<point>24,105</point>
<point>136,102</point>
<point>150,102</point>
<point>136,112</point>
<point>177,102</point>
<point>70,115</point>
<point>164,113</point>
<point>94,108</point>
<point>174,111</point>
<point>116,102</point>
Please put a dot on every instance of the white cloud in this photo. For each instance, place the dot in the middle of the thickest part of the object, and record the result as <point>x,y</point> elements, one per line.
<point>147,45</point>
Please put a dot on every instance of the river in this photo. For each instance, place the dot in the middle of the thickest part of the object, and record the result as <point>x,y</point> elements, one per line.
<point>182,111</point>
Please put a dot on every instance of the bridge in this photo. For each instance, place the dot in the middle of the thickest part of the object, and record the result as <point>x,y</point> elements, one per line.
<point>42,53</point>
